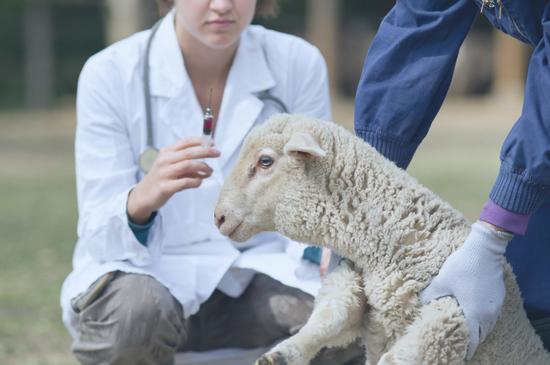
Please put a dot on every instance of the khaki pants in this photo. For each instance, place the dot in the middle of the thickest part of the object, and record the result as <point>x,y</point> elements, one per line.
<point>135,320</point>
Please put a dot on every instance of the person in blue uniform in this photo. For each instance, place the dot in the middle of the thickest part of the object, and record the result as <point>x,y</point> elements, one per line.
<point>405,79</point>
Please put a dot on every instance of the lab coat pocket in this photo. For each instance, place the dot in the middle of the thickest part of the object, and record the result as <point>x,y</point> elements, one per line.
<point>86,298</point>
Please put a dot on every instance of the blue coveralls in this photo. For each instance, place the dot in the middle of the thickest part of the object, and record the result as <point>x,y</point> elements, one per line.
<point>405,79</point>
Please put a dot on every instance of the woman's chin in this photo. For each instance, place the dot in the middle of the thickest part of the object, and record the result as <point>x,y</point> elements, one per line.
<point>220,41</point>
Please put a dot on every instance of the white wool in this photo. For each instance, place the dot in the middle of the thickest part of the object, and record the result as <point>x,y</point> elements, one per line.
<point>396,234</point>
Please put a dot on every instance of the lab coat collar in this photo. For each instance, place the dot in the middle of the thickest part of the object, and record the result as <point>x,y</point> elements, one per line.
<point>250,74</point>
<point>167,70</point>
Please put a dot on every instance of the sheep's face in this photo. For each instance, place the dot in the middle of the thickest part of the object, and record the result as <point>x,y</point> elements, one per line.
<point>270,172</point>
<point>245,206</point>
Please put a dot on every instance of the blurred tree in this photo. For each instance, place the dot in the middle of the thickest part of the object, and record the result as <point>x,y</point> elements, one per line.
<point>42,41</point>
<point>75,29</point>
<point>79,32</point>
<point>39,54</point>
<point>11,53</point>
<point>359,20</point>
<point>125,17</point>
<point>323,30</point>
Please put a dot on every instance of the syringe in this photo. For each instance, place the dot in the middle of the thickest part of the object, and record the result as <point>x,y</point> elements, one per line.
<point>208,123</point>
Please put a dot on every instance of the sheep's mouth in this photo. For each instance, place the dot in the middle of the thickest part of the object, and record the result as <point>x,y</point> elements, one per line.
<point>230,234</point>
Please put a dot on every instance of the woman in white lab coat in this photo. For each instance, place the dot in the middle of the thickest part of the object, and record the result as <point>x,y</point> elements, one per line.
<point>148,255</point>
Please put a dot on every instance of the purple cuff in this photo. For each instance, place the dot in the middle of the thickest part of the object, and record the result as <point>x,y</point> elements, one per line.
<point>500,217</point>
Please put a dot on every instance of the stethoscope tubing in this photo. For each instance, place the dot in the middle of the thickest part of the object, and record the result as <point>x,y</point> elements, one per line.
<point>147,85</point>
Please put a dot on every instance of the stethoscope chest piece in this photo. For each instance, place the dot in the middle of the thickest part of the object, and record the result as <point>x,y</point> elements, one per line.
<point>147,158</point>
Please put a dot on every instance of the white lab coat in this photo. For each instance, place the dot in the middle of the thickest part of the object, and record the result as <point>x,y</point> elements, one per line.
<point>185,251</point>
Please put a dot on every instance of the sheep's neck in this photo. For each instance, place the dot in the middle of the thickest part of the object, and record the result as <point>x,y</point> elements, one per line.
<point>372,212</point>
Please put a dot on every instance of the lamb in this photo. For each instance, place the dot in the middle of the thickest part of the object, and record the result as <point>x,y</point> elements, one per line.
<point>315,182</point>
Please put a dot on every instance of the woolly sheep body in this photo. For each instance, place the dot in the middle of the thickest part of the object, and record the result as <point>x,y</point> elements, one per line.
<point>396,233</point>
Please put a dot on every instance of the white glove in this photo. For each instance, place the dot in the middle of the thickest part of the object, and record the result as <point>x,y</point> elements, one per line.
<point>473,274</point>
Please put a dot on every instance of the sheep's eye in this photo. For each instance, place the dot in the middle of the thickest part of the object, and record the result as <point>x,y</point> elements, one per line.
<point>265,161</point>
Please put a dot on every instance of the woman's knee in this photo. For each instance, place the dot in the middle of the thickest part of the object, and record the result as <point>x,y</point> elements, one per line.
<point>135,317</point>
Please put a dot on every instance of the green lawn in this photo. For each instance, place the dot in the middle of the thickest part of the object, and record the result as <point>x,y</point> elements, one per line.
<point>38,209</point>
<point>38,217</point>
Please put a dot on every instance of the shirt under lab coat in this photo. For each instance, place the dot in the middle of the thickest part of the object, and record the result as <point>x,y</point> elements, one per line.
<point>185,251</point>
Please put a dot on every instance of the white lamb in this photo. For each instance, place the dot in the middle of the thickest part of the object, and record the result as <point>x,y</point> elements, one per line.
<point>315,182</point>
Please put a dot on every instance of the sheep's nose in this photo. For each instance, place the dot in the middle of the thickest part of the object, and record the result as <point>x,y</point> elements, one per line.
<point>219,220</point>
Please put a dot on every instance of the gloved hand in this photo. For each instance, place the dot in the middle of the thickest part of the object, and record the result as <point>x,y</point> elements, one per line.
<point>473,274</point>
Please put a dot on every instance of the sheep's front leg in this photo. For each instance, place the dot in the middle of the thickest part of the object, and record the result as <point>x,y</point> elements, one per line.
<point>438,336</point>
<point>336,320</point>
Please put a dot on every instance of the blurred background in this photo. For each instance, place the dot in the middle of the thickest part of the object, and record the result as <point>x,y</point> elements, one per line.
<point>43,46</point>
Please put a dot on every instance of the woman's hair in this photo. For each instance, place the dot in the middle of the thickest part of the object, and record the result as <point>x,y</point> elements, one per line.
<point>264,8</point>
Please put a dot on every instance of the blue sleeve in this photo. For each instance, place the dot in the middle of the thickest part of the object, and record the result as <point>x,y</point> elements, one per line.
<point>524,177</point>
<point>141,231</point>
<point>407,73</point>
<point>312,254</point>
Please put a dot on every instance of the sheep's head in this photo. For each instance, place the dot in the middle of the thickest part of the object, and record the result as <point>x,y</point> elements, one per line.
<point>273,173</point>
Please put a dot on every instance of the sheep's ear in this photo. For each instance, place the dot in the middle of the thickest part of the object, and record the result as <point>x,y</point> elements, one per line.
<point>303,143</point>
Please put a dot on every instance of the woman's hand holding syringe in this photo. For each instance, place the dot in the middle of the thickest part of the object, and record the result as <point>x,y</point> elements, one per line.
<point>177,167</point>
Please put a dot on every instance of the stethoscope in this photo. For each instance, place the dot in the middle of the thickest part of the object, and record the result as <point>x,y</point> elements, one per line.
<point>150,153</point>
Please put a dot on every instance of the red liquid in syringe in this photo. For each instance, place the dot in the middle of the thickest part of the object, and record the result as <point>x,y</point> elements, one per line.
<point>207,126</point>
<point>208,123</point>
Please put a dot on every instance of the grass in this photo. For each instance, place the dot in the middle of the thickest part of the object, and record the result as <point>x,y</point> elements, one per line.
<point>38,219</point>
<point>38,208</point>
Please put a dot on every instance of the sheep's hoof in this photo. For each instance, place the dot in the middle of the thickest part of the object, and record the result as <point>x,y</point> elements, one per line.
<point>273,358</point>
